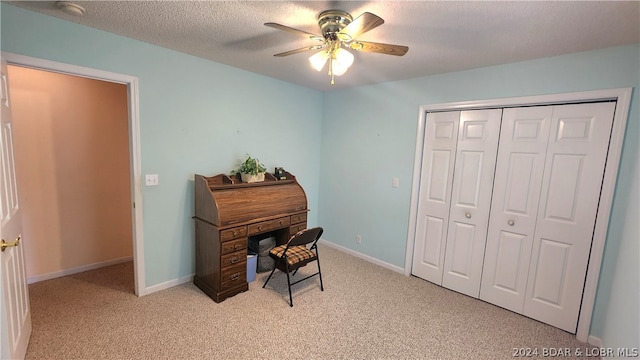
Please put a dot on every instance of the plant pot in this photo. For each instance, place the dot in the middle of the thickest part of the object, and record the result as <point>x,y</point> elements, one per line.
<point>249,178</point>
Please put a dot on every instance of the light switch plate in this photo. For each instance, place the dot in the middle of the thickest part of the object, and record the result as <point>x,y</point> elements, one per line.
<point>394,182</point>
<point>151,180</point>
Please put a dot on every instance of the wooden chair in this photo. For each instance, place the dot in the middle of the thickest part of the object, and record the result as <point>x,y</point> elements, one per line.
<point>296,254</point>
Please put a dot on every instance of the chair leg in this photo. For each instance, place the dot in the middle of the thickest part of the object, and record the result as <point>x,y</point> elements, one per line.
<point>319,272</point>
<point>289,286</point>
<point>272,271</point>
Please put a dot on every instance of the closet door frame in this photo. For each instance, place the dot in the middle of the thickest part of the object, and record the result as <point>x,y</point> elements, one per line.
<point>623,97</point>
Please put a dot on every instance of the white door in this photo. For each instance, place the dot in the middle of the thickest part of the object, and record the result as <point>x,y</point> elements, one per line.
<point>516,192</point>
<point>16,314</point>
<point>571,185</point>
<point>476,152</point>
<point>434,200</point>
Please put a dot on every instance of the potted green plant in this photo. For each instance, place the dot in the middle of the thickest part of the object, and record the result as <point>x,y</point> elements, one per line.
<point>250,170</point>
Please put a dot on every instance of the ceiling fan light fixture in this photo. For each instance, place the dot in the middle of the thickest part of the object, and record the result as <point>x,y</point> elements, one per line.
<point>318,60</point>
<point>342,60</point>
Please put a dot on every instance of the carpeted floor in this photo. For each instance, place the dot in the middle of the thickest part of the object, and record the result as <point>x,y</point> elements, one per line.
<point>365,312</point>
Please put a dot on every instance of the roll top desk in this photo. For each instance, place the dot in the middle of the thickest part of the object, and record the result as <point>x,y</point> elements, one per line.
<point>227,213</point>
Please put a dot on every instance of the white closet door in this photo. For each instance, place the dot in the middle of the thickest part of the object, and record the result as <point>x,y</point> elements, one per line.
<point>441,133</point>
<point>523,146</point>
<point>478,134</point>
<point>571,185</point>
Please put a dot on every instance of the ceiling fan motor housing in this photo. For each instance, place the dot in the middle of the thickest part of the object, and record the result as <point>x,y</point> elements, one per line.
<point>332,21</point>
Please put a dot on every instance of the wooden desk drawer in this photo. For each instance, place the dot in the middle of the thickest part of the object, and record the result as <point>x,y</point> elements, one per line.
<point>233,258</point>
<point>230,234</point>
<point>297,227</point>
<point>234,275</point>
<point>265,226</point>
<point>235,245</point>
<point>298,218</point>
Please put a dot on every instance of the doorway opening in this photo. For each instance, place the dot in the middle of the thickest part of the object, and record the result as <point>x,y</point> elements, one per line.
<point>95,166</point>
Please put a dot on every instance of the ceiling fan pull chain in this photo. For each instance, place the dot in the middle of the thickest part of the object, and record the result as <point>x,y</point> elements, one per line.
<point>331,69</point>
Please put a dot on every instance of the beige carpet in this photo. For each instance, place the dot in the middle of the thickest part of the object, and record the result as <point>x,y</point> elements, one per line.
<point>365,312</point>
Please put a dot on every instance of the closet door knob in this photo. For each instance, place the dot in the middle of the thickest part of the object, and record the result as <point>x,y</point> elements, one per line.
<point>511,222</point>
<point>5,244</point>
<point>468,215</point>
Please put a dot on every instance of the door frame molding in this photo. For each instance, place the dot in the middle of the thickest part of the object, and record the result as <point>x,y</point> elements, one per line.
<point>623,98</point>
<point>134,142</point>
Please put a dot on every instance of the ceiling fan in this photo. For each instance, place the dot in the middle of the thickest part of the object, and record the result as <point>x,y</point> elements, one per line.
<point>340,32</point>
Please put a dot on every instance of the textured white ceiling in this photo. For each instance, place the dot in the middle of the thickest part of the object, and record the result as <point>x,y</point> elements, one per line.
<point>442,36</point>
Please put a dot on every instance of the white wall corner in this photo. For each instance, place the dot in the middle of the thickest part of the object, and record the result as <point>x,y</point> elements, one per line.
<point>595,341</point>
<point>168,284</point>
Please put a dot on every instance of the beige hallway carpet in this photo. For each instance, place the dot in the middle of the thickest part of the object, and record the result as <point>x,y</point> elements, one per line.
<point>365,312</point>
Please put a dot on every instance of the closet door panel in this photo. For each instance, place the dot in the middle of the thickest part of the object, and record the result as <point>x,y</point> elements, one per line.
<point>441,133</point>
<point>433,228</point>
<point>571,185</point>
<point>507,275</point>
<point>518,180</point>
<point>461,238</point>
<point>476,149</point>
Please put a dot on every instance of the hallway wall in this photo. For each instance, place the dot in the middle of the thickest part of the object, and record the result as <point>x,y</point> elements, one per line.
<point>71,139</point>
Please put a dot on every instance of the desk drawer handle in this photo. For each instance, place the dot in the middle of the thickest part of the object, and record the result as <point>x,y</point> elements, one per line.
<point>235,233</point>
<point>237,246</point>
<point>234,277</point>
<point>259,227</point>
<point>234,260</point>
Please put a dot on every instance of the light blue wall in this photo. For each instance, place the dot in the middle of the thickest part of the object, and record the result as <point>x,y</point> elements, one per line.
<point>196,116</point>
<point>618,297</point>
<point>369,137</point>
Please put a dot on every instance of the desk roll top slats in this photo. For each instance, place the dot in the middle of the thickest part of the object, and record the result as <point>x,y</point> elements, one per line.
<point>227,213</point>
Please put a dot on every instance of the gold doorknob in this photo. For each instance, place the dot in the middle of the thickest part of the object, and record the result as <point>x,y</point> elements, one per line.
<point>4,244</point>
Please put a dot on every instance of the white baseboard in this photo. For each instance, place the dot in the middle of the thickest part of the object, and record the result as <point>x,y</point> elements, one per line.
<point>168,284</point>
<point>75,270</point>
<point>595,341</point>
<point>363,256</point>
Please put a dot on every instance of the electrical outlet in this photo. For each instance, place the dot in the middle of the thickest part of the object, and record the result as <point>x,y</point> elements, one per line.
<point>358,239</point>
<point>151,180</point>
<point>394,182</point>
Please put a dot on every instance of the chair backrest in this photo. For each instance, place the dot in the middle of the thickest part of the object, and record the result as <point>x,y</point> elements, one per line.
<point>305,237</point>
